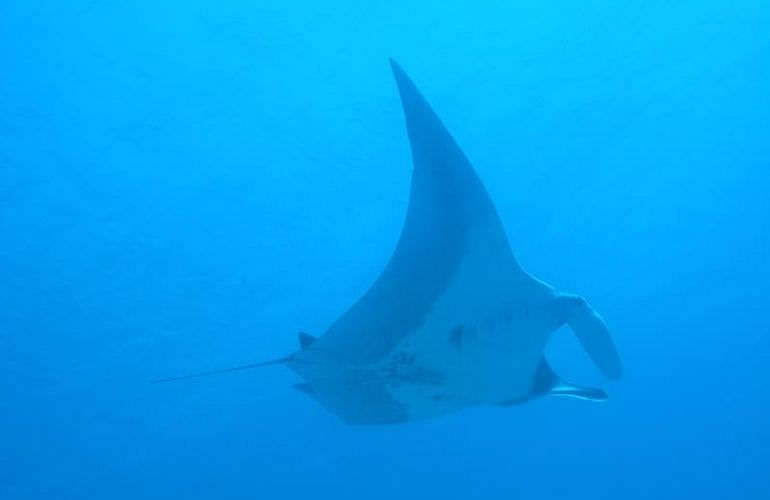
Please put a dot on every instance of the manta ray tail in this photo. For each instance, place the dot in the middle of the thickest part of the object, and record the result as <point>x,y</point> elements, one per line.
<point>305,340</point>
<point>238,368</point>
<point>593,334</point>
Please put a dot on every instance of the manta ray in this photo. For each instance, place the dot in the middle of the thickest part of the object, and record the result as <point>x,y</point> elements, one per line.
<point>453,321</point>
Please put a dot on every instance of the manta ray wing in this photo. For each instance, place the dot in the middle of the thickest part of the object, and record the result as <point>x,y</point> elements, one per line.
<point>446,201</point>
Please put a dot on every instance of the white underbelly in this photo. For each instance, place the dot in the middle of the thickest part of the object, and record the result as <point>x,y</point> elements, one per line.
<point>483,339</point>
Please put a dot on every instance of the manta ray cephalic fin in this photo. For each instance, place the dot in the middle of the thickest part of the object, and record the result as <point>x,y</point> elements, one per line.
<point>548,383</point>
<point>593,334</point>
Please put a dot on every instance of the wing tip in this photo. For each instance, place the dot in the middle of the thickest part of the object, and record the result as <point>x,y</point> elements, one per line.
<point>402,79</point>
<point>394,65</point>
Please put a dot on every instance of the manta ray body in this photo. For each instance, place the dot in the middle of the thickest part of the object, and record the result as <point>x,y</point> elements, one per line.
<point>453,321</point>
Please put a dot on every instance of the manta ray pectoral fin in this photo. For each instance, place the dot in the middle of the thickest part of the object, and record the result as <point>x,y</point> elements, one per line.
<point>305,388</point>
<point>449,213</point>
<point>357,401</point>
<point>593,334</point>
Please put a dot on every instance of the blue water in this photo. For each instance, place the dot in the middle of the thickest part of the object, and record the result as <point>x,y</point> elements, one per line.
<point>185,185</point>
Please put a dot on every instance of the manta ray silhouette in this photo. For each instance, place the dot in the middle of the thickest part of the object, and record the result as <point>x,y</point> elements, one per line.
<point>453,321</point>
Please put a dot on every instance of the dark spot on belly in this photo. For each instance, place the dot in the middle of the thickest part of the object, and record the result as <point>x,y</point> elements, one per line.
<point>456,337</point>
<point>439,396</point>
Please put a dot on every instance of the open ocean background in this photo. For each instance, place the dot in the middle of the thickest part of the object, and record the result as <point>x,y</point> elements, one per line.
<point>185,185</point>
